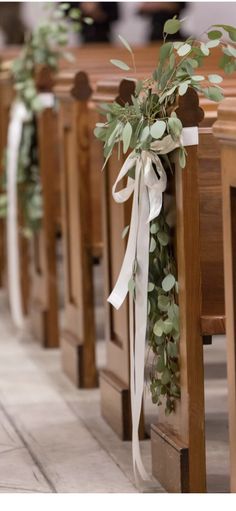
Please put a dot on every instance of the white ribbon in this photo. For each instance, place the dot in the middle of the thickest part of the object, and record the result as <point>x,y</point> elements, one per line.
<point>18,116</point>
<point>148,187</point>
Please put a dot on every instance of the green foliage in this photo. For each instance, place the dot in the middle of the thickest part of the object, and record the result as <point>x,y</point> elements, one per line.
<point>172,26</point>
<point>150,117</point>
<point>120,64</point>
<point>42,48</point>
<point>163,324</point>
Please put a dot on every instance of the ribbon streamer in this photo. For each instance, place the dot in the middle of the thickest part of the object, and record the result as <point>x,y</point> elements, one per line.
<point>18,116</point>
<point>147,188</point>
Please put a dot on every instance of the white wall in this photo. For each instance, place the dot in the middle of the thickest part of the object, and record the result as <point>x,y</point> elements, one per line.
<point>199,16</point>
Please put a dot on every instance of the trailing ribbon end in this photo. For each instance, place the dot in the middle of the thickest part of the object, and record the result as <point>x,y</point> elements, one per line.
<point>18,116</point>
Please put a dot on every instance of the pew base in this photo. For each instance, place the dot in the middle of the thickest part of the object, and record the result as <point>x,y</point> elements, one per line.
<point>170,460</point>
<point>40,323</point>
<point>72,356</point>
<point>115,406</point>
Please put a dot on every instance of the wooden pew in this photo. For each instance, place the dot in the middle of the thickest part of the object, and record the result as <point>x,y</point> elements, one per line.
<point>38,272</point>
<point>224,130</point>
<point>80,222</point>
<point>174,444</point>
<point>44,295</point>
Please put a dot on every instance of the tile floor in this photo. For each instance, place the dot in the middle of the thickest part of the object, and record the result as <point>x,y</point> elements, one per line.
<point>52,437</point>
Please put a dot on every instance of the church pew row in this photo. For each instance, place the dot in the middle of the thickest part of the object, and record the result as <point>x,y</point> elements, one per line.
<point>224,130</point>
<point>182,454</point>
<point>43,275</point>
<point>79,325</point>
<point>72,87</point>
<point>95,57</point>
<point>43,294</point>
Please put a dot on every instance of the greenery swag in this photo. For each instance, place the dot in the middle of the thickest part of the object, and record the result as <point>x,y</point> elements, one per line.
<point>43,48</point>
<point>150,117</point>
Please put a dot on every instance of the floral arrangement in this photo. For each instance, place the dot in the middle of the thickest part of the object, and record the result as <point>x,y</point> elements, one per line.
<point>151,117</point>
<point>42,49</point>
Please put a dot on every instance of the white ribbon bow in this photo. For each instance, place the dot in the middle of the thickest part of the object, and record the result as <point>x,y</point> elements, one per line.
<point>18,116</point>
<point>147,186</point>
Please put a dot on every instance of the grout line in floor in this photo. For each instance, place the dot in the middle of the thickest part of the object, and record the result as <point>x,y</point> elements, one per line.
<point>30,451</point>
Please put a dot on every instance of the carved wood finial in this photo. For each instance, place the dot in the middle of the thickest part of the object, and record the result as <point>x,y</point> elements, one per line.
<point>81,89</point>
<point>126,90</point>
<point>45,78</point>
<point>188,110</point>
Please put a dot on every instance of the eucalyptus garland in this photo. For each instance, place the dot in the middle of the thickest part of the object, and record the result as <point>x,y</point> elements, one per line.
<point>152,116</point>
<point>43,48</point>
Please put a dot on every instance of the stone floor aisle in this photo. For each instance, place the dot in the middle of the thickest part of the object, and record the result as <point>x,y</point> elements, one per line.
<point>52,437</point>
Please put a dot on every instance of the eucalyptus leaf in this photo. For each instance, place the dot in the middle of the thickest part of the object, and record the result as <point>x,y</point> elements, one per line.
<point>198,78</point>
<point>88,20</point>
<point>168,283</point>
<point>184,49</point>
<point>163,238</point>
<point>214,34</point>
<point>125,43</point>
<point>158,129</point>
<point>120,64</point>
<point>165,376</point>
<point>126,136</point>
<point>215,78</point>
<point>183,88</point>
<point>145,133</point>
<point>172,349</point>
<point>163,302</point>
<point>182,158</point>
<point>166,50</point>
<point>158,328</point>
<point>175,127</point>
<point>213,44</point>
<point>172,26</point>
<point>213,93</point>
<point>204,49</point>
<point>168,326</point>
<point>154,228</point>
<point>152,245</point>
<point>231,50</point>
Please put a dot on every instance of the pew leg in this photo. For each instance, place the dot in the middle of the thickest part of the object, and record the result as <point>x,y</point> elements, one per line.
<point>44,299</point>
<point>78,335</point>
